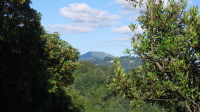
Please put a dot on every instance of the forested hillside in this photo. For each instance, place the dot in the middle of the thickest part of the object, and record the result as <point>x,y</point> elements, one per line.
<point>102,58</point>
<point>94,55</point>
<point>40,72</point>
<point>91,81</point>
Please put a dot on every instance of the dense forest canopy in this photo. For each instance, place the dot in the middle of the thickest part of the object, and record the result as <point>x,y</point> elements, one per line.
<point>91,81</point>
<point>169,48</point>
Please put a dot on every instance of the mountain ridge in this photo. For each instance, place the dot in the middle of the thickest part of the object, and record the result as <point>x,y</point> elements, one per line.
<point>95,55</point>
<point>105,59</point>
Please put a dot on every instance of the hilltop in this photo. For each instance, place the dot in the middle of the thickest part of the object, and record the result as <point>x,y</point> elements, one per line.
<point>102,58</point>
<point>94,55</point>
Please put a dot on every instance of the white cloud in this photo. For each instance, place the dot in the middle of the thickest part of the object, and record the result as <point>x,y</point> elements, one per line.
<point>127,7</point>
<point>124,5</point>
<point>139,29</point>
<point>126,30</point>
<point>68,28</point>
<point>83,13</point>
<point>78,27</point>
<point>122,29</point>
<point>83,19</point>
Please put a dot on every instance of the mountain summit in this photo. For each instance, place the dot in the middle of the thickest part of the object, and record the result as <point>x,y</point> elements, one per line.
<point>95,55</point>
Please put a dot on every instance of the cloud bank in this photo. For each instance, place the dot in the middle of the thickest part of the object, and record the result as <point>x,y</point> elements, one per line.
<point>83,13</point>
<point>83,19</point>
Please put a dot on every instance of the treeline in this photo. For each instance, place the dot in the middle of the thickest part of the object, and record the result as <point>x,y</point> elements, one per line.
<point>128,62</point>
<point>91,82</point>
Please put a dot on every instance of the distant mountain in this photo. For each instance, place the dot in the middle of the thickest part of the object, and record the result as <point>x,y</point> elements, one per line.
<point>95,55</point>
<point>102,58</point>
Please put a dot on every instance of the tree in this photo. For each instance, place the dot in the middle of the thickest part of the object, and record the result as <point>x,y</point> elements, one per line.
<point>23,80</point>
<point>169,47</point>
<point>62,61</point>
<point>35,66</point>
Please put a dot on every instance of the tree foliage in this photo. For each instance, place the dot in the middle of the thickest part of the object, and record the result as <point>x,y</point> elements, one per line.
<point>91,81</point>
<point>128,63</point>
<point>35,66</point>
<point>62,61</point>
<point>23,81</point>
<point>169,48</point>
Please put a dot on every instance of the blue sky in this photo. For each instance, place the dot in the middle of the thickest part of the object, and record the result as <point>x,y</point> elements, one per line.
<point>92,25</point>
